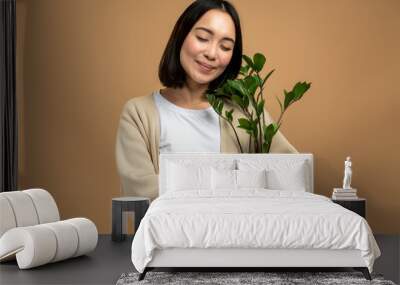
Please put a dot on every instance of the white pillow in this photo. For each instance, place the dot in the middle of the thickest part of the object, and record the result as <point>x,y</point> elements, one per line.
<point>183,178</point>
<point>192,174</point>
<point>251,178</point>
<point>281,174</point>
<point>223,179</point>
<point>293,179</point>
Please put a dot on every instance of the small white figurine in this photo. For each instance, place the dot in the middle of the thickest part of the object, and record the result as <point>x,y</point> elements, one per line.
<point>347,173</point>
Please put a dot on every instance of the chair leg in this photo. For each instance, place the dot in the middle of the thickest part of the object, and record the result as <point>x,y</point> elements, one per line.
<point>364,271</point>
<point>143,274</point>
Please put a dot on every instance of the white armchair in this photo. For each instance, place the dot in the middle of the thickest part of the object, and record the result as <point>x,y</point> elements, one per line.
<point>31,230</point>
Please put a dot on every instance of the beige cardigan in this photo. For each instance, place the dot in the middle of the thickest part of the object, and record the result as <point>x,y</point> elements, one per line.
<point>138,138</point>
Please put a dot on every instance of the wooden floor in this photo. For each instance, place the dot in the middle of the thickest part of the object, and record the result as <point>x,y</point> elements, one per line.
<point>111,259</point>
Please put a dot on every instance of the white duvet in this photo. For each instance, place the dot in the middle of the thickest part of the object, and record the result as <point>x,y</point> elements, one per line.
<point>250,219</point>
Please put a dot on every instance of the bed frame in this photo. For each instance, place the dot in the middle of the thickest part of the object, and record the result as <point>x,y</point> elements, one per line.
<point>243,259</point>
<point>249,258</point>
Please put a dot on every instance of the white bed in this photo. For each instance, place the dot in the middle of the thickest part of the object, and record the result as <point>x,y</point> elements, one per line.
<point>202,220</point>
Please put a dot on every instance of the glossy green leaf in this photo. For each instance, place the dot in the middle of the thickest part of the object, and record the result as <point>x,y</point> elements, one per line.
<point>244,70</point>
<point>237,86</point>
<point>238,100</point>
<point>299,89</point>
<point>244,124</point>
<point>259,61</point>
<point>219,92</point>
<point>211,99</point>
<point>258,80</point>
<point>250,84</point>
<point>289,97</point>
<point>260,107</point>
<point>253,85</point>
<point>254,124</point>
<point>248,60</point>
<point>267,76</point>
<point>220,106</point>
<point>225,89</point>
<point>246,101</point>
<point>229,116</point>
<point>270,131</point>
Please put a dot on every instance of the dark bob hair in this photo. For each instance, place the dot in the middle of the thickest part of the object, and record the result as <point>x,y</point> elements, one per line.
<point>171,72</point>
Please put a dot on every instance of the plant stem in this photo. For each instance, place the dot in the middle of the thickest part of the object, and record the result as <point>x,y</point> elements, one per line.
<point>260,134</point>
<point>250,118</point>
<point>250,144</point>
<point>256,142</point>
<point>260,94</point>
<point>263,119</point>
<point>234,130</point>
<point>256,138</point>
<point>280,117</point>
<point>237,137</point>
<point>269,146</point>
<point>247,113</point>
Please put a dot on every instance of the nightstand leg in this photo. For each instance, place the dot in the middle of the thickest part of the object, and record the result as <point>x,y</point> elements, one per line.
<point>117,234</point>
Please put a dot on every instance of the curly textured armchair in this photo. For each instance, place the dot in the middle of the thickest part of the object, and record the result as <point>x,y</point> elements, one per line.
<point>31,230</point>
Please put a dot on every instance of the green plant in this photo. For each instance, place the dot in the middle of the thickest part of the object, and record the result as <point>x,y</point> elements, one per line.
<point>246,92</point>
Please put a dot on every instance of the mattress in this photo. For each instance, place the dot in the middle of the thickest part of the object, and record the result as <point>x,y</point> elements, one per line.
<point>250,219</point>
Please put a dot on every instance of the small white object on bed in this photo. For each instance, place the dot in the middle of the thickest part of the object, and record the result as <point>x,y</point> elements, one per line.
<point>247,210</point>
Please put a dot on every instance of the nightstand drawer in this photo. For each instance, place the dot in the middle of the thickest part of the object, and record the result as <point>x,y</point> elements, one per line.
<point>357,206</point>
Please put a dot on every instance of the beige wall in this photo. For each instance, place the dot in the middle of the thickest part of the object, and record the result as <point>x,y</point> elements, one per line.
<point>79,61</point>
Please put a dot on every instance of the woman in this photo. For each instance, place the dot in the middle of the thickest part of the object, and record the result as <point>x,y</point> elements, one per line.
<point>204,49</point>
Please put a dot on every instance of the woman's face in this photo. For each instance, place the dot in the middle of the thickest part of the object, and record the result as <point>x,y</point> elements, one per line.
<point>208,48</point>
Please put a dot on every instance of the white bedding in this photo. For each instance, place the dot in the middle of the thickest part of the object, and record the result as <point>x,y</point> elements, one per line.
<point>251,218</point>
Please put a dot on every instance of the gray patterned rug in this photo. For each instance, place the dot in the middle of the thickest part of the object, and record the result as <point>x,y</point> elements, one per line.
<point>243,278</point>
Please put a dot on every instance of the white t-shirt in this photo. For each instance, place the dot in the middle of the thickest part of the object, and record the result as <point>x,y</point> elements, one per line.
<point>187,130</point>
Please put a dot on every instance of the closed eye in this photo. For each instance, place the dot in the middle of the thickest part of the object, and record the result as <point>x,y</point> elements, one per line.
<point>205,40</point>
<point>201,39</point>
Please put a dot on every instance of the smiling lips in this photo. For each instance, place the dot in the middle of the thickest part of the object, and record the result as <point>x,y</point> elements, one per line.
<point>205,67</point>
